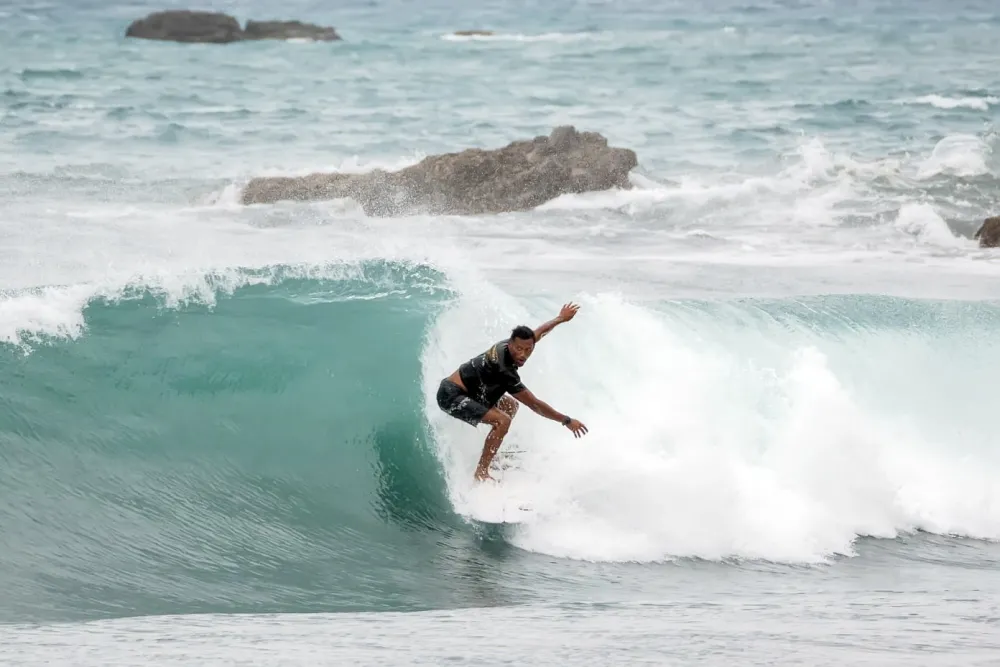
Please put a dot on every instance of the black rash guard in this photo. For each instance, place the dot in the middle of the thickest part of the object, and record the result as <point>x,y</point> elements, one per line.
<point>490,375</point>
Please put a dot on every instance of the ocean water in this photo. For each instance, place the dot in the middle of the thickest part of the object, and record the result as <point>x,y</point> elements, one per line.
<point>218,437</point>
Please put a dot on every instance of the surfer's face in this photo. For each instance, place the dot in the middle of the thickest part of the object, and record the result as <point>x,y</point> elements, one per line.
<point>520,349</point>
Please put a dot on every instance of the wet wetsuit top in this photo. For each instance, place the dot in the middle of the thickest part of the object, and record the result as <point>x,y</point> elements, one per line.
<point>491,374</point>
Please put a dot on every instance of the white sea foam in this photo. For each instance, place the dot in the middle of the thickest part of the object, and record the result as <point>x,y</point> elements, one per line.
<point>945,102</point>
<point>926,226</point>
<point>956,155</point>
<point>719,435</point>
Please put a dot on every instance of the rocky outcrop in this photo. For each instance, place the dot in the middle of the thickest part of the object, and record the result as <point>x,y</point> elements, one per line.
<point>217,28</point>
<point>289,30</point>
<point>473,33</point>
<point>187,26</point>
<point>988,233</point>
<point>517,177</point>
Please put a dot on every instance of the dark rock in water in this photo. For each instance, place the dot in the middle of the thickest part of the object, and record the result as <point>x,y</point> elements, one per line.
<point>216,28</point>
<point>989,233</point>
<point>473,33</point>
<point>289,30</point>
<point>517,177</point>
<point>187,26</point>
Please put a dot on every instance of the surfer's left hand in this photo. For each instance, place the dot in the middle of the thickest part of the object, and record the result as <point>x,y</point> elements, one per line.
<point>568,312</point>
<point>577,427</point>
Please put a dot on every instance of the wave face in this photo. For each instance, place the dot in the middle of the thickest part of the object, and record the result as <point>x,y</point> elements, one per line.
<point>279,449</point>
<point>268,448</point>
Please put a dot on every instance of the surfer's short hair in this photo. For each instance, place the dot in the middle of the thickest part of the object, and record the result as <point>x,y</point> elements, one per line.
<point>523,332</point>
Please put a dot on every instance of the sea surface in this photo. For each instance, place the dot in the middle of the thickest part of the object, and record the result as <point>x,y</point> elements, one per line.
<point>218,437</point>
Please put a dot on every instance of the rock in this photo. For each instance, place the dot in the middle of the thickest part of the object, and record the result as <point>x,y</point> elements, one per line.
<point>473,33</point>
<point>289,30</point>
<point>989,233</point>
<point>187,26</point>
<point>216,28</point>
<point>518,177</point>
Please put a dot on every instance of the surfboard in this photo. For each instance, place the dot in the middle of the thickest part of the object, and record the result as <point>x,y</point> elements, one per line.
<point>500,502</point>
<point>505,514</point>
<point>497,503</point>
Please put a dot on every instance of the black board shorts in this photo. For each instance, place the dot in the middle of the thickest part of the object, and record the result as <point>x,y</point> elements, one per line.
<point>458,404</point>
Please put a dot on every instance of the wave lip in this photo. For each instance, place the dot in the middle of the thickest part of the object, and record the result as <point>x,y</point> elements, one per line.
<point>32,316</point>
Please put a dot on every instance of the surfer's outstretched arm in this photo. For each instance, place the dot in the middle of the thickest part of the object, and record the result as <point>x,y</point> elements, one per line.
<point>544,409</point>
<point>565,315</point>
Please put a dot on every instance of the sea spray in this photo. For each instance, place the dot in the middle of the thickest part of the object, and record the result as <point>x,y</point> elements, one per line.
<point>776,430</point>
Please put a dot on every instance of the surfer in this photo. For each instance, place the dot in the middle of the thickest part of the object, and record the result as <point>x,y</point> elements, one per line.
<point>475,392</point>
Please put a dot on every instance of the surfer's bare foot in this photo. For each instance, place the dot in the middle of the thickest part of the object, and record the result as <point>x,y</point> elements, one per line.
<point>483,475</point>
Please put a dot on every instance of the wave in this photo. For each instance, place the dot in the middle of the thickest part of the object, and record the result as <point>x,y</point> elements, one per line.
<point>265,448</point>
<point>959,155</point>
<point>520,37</point>
<point>271,442</point>
<point>980,103</point>
<point>28,316</point>
<point>821,188</point>
<point>31,74</point>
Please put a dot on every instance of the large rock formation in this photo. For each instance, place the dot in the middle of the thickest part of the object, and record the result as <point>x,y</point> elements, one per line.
<point>187,26</point>
<point>289,30</point>
<point>517,177</point>
<point>989,233</point>
<point>216,28</point>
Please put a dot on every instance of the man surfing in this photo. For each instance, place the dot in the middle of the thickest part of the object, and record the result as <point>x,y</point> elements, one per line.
<point>475,392</point>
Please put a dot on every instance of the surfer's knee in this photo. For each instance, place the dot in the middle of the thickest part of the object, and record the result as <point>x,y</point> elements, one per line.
<point>498,419</point>
<point>508,405</point>
<point>503,423</point>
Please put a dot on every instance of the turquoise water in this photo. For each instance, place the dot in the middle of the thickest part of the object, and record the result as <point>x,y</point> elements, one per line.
<point>218,436</point>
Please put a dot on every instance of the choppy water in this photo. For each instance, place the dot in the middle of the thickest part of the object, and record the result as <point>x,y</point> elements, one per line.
<point>218,439</point>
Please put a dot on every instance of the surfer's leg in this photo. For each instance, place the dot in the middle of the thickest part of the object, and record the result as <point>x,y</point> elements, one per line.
<point>500,423</point>
<point>508,405</point>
